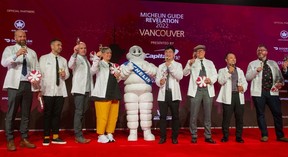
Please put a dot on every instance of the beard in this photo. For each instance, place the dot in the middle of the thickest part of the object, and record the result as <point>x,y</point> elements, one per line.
<point>21,42</point>
<point>261,57</point>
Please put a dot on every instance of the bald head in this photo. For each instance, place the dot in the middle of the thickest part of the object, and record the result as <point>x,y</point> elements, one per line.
<point>20,37</point>
<point>82,49</point>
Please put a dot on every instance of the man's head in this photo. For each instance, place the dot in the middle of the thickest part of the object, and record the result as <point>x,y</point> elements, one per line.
<point>106,53</point>
<point>230,58</point>
<point>56,46</point>
<point>169,52</point>
<point>20,37</point>
<point>200,51</point>
<point>262,52</point>
<point>82,49</point>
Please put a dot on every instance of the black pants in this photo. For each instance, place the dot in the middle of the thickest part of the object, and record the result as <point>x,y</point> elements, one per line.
<point>52,112</point>
<point>228,110</point>
<point>274,104</point>
<point>18,97</point>
<point>174,108</point>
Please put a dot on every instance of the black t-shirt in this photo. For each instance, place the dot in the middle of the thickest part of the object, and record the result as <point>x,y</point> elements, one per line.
<point>112,90</point>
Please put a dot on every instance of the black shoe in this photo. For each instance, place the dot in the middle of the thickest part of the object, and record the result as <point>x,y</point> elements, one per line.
<point>239,140</point>
<point>162,140</point>
<point>46,142</point>
<point>58,141</point>
<point>194,140</point>
<point>174,141</point>
<point>224,139</point>
<point>210,140</point>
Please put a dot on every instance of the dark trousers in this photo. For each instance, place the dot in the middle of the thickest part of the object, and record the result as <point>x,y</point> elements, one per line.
<point>52,112</point>
<point>274,105</point>
<point>81,106</point>
<point>238,110</point>
<point>174,108</point>
<point>18,97</point>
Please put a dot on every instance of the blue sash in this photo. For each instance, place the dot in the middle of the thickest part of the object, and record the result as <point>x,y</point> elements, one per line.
<point>138,71</point>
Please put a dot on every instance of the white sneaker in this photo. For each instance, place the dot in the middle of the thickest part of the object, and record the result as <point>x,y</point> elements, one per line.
<point>110,137</point>
<point>102,139</point>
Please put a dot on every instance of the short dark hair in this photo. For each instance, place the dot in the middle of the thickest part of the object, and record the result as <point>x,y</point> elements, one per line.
<point>262,45</point>
<point>228,53</point>
<point>170,47</point>
<point>53,40</point>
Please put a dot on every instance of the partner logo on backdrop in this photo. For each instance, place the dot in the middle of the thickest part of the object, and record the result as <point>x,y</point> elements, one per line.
<point>283,35</point>
<point>163,22</point>
<point>161,55</point>
<point>280,49</point>
<point>18,24</point>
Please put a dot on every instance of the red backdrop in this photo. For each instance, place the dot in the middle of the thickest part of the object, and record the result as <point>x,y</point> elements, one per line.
<point>151,25</point>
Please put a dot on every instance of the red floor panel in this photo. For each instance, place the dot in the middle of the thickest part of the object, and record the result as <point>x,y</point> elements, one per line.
<point>141,148</point>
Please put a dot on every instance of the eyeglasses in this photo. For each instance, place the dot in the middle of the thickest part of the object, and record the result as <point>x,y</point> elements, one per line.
<point>261,50</point>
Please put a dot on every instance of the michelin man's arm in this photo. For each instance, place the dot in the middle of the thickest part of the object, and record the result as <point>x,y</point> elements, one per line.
<point>126,70</point>
<point>150,69</point>
<point>176,70</point>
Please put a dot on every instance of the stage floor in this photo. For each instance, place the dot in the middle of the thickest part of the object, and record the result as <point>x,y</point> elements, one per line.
<point>251,147</point>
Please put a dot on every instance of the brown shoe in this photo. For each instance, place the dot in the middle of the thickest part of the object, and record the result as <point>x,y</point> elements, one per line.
<point>282,139</point>
<point>25,143</point>
<point>11,145</point>
<point>264,139</point>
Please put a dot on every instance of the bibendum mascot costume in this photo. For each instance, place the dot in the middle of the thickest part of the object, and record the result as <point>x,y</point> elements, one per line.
<point>138,75</point>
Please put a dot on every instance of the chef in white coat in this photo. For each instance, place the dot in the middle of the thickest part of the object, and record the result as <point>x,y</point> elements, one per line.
<point>19,61</point>
<point>82,84</point>
<point>203,75</point>
<point>54,71</point>
<point>233,85</point>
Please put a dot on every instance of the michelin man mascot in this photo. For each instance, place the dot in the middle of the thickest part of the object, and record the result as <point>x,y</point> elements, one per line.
<point>138,75</point>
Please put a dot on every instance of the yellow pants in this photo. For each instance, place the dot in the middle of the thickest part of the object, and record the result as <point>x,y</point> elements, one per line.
<point>106,115</point>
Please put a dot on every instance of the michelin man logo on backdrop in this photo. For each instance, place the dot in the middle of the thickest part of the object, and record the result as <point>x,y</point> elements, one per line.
<point>138,75</point>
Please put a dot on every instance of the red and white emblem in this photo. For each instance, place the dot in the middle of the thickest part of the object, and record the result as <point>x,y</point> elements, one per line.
<point>115,68</point>
<point>34,75</point>
<point>200,81</point>
<point>274,89</point>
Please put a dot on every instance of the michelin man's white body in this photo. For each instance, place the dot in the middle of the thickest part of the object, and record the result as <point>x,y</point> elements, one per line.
<point>138,94</point>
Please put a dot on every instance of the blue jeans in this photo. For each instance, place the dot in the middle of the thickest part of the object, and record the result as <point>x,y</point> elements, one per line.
<point>274,105</point>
